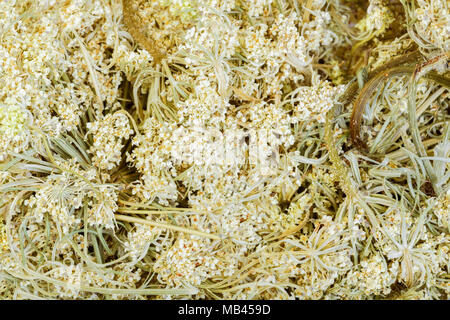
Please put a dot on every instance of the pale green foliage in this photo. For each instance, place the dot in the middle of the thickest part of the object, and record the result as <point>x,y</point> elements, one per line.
<point>110,188</point>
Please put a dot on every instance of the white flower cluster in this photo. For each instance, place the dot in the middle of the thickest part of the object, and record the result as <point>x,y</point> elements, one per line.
<point>313,103</point>
<point>139,240</point>
<point>374,277</point>
<point>190,261</point>
<point>35,74</point>
<point>14,133</point>
<point>108,135</point>
<point>3,239</point>
<point>151,158</point>
<point>316,261</point>
<point>378,18</point>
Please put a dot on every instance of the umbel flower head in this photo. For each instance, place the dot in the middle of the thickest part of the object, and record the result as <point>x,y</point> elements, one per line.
<point>222,149</point>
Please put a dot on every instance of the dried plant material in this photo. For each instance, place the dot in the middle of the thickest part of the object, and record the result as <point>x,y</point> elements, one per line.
<point>140,29</point>
<point>372,85</point>
<point>187,149</point>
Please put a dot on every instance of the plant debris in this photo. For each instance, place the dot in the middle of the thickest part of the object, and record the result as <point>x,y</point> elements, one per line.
<point>224,149</point>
